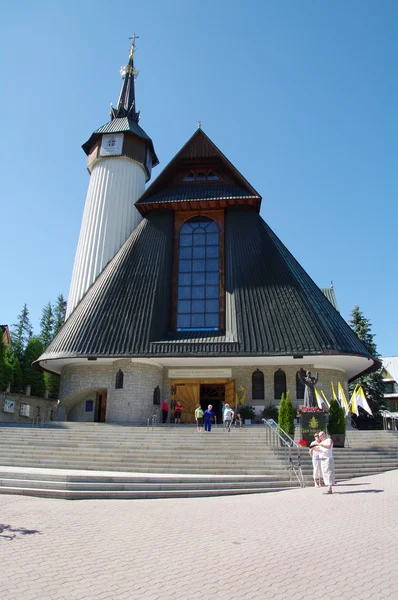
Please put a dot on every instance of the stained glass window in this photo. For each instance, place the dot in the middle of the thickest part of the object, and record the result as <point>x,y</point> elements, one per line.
<point>198,304</point>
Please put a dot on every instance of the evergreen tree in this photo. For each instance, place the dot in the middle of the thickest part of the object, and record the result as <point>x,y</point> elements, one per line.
<point>51,382</point>
<point>372,384</point>
<point>6,374</point>
<point>15,368</point>
<point>47,325</point>
<point>59,313</point>
<point>31,375</point>
<point>286,415</point>
<point>21,333</point>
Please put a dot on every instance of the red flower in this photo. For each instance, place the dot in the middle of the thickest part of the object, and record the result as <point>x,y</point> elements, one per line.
<point>310,409</point>
<point>303,443</point>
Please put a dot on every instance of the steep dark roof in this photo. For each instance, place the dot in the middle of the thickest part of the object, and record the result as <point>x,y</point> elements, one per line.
<point>200,192</point>
<point>331,296</point>
<point>273,308</point>
<point>198,152</point>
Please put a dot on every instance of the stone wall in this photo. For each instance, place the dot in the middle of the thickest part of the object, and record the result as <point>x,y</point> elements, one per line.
<point>131,404</point>
<point>134,402</point>
<point>47,408</point>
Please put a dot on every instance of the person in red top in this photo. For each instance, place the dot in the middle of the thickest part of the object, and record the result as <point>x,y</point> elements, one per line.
<point>177,412</point>
<point>165,411</point>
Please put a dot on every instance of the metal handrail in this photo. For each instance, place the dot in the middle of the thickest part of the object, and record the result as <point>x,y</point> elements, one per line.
<point>386,414</point>
<point>152,420</point>
<point>280,441</point>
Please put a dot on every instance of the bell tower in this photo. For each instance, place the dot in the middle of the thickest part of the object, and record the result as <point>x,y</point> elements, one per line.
<point>120,160</point>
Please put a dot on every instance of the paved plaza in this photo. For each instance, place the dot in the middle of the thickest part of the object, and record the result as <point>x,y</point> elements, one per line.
<point>295,544</point>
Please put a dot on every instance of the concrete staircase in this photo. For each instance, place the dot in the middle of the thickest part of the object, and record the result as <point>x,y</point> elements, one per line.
<point>90,460</point>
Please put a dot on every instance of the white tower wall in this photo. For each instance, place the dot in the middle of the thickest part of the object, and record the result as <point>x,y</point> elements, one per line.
<point>109,218</point>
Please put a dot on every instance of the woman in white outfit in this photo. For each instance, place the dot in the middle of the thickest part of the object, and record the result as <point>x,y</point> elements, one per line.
<point>316,461</point>
<point>325,448</point>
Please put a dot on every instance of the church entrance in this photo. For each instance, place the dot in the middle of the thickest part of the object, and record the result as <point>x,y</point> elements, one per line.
<point>191,392</point>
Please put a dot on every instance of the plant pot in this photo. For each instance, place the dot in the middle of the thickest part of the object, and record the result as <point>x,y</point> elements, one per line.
<point>338,439</point>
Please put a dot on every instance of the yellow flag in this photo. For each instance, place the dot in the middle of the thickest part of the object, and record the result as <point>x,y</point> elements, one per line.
<point>333,392</point>
<point>325,399</point>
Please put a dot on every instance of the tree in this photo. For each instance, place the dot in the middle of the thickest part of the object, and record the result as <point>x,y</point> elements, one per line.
<point>372,383</point>
<point>286,415</point>
<point>47,325</point>
<point>59,313</point>
<point>21,333</point>
<point>31,375</point>
<point>5,367</point>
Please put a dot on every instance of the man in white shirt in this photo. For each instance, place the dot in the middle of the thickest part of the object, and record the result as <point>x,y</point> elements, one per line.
<point>325,449</point>
<point>228,416</point>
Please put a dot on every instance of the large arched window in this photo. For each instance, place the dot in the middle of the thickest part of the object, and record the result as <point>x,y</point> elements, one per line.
<point>198,304</point>
<point>279,384</point>
<point>258,385</point>
<point>299,387</point>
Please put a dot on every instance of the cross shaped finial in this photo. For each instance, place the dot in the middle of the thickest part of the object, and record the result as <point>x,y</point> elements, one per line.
<point>199,124</point>
<point>132,47</point>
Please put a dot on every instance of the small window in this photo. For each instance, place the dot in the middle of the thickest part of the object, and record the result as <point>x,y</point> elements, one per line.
<point>119,380</point>
<point>156,396</point>
<point>279,384</point>
<point>200,176</point>
<point>89,405</point>
<point>211,176</point>
<point>190,177</point>
<point>258,385</point>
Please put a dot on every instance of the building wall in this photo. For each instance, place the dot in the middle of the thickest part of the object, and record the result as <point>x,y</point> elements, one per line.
<point>131,404</point>
<point>134,402</point>
<point>36,404</point>
<point>243,377</point>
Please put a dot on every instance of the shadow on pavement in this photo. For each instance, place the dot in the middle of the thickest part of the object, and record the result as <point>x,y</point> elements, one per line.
<point>11,533</point>
<point>360,492</point>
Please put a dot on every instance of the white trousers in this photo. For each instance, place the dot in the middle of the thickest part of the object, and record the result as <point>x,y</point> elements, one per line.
<point>316,467</point>
<point>327,471</point>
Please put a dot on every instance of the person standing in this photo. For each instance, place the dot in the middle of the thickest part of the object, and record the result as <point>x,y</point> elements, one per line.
<point>177,412</point>
<point>208,417</point>
<point>199,418</point>
<point>316,461</point>
<point>228,416</point>
<point>325,447</point>
<point>165,411</point>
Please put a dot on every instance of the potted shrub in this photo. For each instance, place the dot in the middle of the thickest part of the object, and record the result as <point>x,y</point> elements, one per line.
<point>247,413</point>
<point>286,415</point>
<point>270,412</point>
<point>336,424</point>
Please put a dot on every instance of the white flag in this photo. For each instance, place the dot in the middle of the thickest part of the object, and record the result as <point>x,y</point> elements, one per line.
<point>342,398</point>
<point>359,399</point>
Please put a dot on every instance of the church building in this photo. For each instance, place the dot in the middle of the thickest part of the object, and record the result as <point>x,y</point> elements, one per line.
<point>181,291</point>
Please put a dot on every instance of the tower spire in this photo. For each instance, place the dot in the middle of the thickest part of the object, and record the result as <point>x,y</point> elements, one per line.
<point>126,103</point>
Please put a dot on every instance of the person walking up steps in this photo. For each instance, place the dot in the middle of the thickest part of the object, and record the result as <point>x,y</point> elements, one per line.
<point>199,418</point>
<point>228,416</point>
<point>208,415</point>
<point>177,412</point>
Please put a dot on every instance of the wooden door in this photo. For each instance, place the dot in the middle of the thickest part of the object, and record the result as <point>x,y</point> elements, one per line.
<point>100,413</point>
<point>188,394</point>
<point>230,394</point>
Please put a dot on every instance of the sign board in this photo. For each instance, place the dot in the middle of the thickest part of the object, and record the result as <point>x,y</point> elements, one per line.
<point>200,373</point>
<point>24,410</point>
<point>9,406</point>
<point>111,145</point>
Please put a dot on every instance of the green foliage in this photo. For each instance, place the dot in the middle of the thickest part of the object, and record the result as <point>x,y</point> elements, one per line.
<point>336,422</point>
<point>5,367</point>
<point>47,325</point>
<point>31,375</point>
<point>372,384</point>
<point>12,360</point>
<point>246,412</point>
<point>59,314</point>
<point>286,415</point>
<point>51,382</point>
<point>21,332</point>
<point>270,412</point>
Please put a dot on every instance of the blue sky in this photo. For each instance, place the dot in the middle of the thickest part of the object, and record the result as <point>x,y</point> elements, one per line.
<point>301,96</point>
